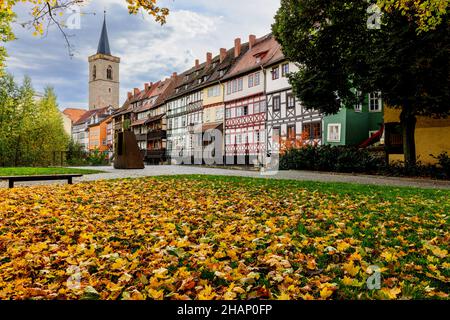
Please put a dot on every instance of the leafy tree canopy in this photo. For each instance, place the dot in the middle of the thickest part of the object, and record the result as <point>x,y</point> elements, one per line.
<point>340,55</point>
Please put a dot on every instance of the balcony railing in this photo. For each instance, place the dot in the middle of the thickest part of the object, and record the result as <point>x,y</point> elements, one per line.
<point>141,137</point>
<point>157,134</point>
<point>156,154</point>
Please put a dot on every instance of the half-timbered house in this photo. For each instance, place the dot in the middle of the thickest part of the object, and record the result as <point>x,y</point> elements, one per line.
<point>156,123</point>
<point>288,122</point>
<point>245,103</point>
<point>184,111</point>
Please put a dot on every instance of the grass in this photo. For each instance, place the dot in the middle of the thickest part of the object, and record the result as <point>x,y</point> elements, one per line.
<point>215,237</point>
<point>31,171</point>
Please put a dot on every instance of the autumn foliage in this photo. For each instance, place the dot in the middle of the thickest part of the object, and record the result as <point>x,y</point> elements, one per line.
<point>211,238</point>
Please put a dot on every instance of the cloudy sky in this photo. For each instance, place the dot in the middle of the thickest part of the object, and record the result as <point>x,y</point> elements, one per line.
<point>149,52</point>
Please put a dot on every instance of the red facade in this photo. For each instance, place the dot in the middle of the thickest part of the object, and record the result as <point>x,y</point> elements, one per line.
<point>245,126</point>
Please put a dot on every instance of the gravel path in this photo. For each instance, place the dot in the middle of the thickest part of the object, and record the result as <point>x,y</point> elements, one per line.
<point>111,173</point>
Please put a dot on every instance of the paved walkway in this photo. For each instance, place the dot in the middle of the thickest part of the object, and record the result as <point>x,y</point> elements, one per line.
<point>111,173</point>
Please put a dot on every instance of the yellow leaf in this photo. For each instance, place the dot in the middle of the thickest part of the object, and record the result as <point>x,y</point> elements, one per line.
<point>342,246</point>
<point>118,264</point>
<point>156,294</point>
<point>325,293</point>
<point>391,293</point>
<point>351,269</point>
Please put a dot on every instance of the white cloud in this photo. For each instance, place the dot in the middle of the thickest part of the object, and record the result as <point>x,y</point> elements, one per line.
<point>147,50</point>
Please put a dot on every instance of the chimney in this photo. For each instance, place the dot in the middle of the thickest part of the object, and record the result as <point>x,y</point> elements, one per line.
<point>237,47</point>
<point>130,95</point>
<point>208,58</point>
<point>174,75</point>
<point>197,63</point>
<point>251,41</point>
<point>147,86</point>
<point>136,91</point>
<point>223,54</point>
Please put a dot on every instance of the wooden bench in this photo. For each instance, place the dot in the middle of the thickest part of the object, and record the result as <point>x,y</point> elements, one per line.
<point>68,177</point>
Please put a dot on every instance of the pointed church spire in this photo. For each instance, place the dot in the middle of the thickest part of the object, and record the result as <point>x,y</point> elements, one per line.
<point>103,44</point>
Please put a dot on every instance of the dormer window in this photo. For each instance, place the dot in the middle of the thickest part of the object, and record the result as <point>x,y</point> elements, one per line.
<point>259,56</point>
<point>221,73</point>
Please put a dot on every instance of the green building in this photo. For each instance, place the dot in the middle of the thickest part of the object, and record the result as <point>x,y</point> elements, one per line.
<point>352,126</point>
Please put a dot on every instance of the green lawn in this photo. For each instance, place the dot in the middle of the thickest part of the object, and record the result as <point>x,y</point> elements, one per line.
<point>28,171</point>
<point>211,237</point>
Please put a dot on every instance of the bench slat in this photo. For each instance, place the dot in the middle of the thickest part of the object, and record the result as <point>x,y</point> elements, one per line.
<point>68,177</point>
<point>37,178</point>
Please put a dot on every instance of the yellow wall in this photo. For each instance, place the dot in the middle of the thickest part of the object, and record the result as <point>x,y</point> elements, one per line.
<point>212,100</point>
<point>432,136</point>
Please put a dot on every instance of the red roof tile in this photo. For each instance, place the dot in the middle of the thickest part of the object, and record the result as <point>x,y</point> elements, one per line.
<point>74,114</point>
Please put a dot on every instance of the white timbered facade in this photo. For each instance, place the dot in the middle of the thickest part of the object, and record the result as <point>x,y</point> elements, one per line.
<point>287,119</point>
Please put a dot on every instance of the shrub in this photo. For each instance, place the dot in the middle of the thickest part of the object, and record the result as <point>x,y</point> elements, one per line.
<point>354,160</point>
<point>97,158</point>
<point>444,164</point>
<point>330,158</point>
<point>76,156</point>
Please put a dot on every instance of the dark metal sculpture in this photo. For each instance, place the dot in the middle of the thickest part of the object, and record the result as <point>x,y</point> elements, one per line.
<point>127,154</point>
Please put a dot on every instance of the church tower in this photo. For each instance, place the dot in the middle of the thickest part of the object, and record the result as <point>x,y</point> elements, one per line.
<point>103,75</point>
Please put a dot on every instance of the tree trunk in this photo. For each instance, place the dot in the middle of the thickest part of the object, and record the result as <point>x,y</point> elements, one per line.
<point>408,121</point>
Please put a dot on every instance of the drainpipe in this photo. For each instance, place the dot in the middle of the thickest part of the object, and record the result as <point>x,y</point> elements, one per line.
<point>266,135</point>
<point>223,123</point>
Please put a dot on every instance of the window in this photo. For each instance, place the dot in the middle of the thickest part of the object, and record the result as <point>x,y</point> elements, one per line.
<point>257,136</point>
<point>228,139</point>
<point>284,69</point>
<point>275,73</point>
<point>245,110</point>
<point>235,85</point>
<point>317,130</point>
<point>291,132</point>
<point>256,107</point>
<point>219,114</point>
<point>214,91</point>
<point>253,80</point>
<point>262,106</point>
<point>228,113</point>
<point>313,130</point>
<point>238,138</point>
<point>276,103</point>
<point>334,132</point>
<point>94,73</point>
<point>290,100</point>
<point>276,135</point>
<point>257,79</point>
<point>358,106</point>
<point>109,73</point>
<point>375,103</point>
